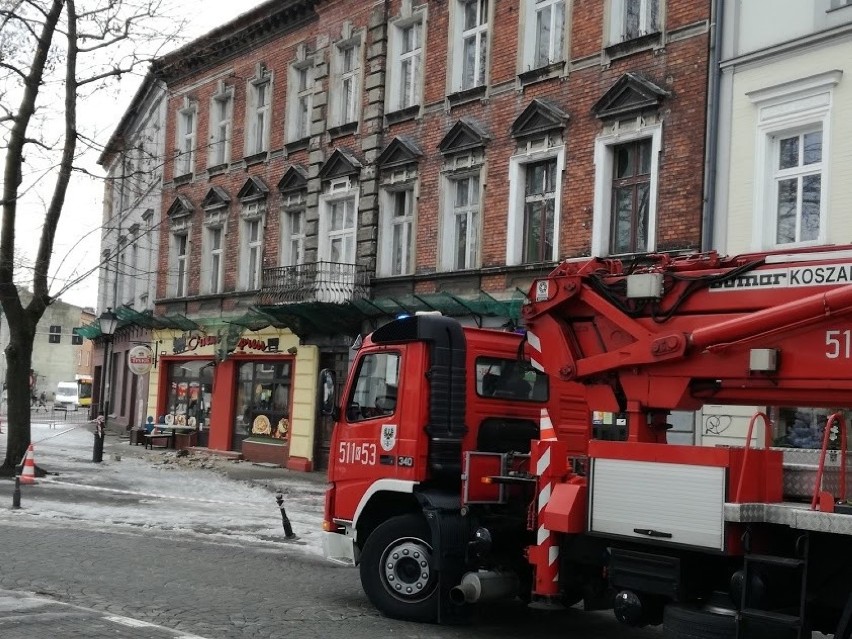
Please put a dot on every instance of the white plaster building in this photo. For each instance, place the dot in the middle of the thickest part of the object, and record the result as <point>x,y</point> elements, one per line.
<point>784,137</point>
<point>133,159</point>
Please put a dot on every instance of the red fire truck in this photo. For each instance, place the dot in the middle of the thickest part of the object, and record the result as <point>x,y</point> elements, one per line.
<point>465,467</point>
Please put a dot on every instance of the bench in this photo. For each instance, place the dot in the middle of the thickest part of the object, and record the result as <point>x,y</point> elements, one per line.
<point>168,440</point>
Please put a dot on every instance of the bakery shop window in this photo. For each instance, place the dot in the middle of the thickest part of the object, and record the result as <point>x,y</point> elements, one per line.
<point>263,401</point>
<point>190,393</point>
<point>375,391</point>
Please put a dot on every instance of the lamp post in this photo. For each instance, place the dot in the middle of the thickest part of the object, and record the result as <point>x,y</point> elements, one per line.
<point>108,322</point>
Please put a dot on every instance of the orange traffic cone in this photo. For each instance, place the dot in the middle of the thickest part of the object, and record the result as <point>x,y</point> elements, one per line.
<point>28,471</point>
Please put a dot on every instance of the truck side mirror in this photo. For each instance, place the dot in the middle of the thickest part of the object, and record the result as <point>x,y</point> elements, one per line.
<point>328,393</point>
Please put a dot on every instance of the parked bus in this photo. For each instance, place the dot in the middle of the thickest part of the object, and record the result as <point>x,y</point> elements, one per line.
<point>84,391</point>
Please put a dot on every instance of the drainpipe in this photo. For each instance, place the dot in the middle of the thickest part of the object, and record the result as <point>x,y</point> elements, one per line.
<point>711,137</point>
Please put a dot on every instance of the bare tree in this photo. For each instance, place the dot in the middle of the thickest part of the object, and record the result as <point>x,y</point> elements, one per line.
<point>53,54</point>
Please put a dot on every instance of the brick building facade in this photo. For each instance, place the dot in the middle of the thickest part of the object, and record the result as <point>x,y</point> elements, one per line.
<point>333,163</point>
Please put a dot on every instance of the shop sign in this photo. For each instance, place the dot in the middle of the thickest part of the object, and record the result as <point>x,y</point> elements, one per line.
<point>253,344</point>
<point>140,359</point>
<point>188,342</point>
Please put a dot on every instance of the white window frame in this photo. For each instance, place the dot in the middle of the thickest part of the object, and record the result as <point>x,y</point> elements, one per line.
<point>557,44</point>
<point>618,19</point>
<point>251,250</point>
<point>604,158</point>
<point>180,263</point>
<point>481,33</point>
<point>337,191</point>
<point>389,222</point>
<point>221,117</point>
<point>186,139</point>
<point>133,273</point>
<point>789,108</point>
<point>448,223</point>
<point>346,102</point>
<point>534,151</point>
<point>293,206</point>
<point>300,95</point>
<point>259,114</point>
<point>214,259</point>
<point>397,96</point>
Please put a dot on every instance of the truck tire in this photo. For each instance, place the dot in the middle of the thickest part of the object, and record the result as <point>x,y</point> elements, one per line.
<point>397,572</point>
<point>690,622</point>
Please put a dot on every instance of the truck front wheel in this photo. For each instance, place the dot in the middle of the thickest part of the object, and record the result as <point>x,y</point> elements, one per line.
<point>396,569</point>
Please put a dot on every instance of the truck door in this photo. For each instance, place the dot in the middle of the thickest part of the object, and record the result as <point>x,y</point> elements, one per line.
<point>366,438</point>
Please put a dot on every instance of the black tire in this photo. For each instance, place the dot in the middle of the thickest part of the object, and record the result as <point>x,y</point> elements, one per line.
<point>397,572</point>
<point>689,622</point>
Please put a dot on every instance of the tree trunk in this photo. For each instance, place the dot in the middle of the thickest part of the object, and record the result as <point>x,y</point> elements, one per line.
<point>18,366</point>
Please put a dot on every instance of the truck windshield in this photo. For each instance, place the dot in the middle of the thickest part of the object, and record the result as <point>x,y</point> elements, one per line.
<point>509,379</point>
<point>375,390</point>
<point>66,392</point>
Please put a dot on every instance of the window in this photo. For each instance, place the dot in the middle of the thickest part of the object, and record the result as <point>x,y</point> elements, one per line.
<point>180,247</point>
<point>190,392</point>
<point>471,44</point>
<point>221,109</point>
<point>293,243</point>
<point>258,140</point>
<point>376,387</point>
<point>539,211</point>
<point>798,184</point>
<point>544,33</point>
<point>263,401</point>
<point>214,258</point>
<point>633,18</point>
<point>55,336</point>
<point>186,140</point>
<point>132,274</point>
<point>346,90</point>
<point>508,379</point>
<point>791,180</point>
<point>76,338</point>
<point>626,175</point>
<point>397,254</point>
<point>631,187</point>
<point>462,224</point>
<point>406,65</point>
<point>252,254</point>
<point>535,178</point>
<point>341,231</point>
<point>301,100</point>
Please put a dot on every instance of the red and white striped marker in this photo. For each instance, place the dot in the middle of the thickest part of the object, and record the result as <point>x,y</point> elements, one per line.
<point>545,427</point>
<point>548,461</point>
<point>28,470</point>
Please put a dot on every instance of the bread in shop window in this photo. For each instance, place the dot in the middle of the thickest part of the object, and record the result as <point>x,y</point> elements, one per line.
<point>261,426</point>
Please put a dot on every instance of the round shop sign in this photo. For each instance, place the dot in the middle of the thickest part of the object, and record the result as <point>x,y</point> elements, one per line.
<point>140,359</point>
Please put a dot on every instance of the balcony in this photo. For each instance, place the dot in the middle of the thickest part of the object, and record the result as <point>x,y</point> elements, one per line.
<point>329,282</point>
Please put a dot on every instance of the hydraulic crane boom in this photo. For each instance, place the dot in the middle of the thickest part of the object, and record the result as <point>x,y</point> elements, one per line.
<point>675,333</point>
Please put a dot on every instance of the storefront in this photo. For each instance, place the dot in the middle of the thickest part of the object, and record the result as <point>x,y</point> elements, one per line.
<point>252,393</point>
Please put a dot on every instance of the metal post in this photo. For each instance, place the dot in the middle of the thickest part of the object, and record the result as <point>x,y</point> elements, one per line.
<point>288,529</point>
<point>101,422</point>
<point>16,495</point>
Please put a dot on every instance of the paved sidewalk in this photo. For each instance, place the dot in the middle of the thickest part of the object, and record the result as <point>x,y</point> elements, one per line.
<point>265,475</point>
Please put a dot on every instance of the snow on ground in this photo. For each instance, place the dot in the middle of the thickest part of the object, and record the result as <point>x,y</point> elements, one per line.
<point>145,493</point>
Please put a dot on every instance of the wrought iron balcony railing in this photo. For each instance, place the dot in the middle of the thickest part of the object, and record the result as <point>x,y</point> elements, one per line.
<point>332,282</point>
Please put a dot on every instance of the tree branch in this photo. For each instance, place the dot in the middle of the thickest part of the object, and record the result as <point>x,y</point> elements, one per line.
<point>14,157</point>
<point>51,221</point>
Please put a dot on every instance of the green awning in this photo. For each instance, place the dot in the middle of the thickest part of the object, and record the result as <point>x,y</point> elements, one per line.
<point>322,318</point>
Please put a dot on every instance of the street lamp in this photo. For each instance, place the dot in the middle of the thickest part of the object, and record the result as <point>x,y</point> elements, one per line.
<point>108,322</point>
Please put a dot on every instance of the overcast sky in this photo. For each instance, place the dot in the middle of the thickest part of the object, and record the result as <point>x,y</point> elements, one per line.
<point>77,246</point>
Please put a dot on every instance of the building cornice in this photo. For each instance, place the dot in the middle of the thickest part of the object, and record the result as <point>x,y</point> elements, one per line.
<point>815,39</point>
<point>269,20</point>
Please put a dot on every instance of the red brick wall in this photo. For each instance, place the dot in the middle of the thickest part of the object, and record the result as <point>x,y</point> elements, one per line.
<point>680,67</point>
